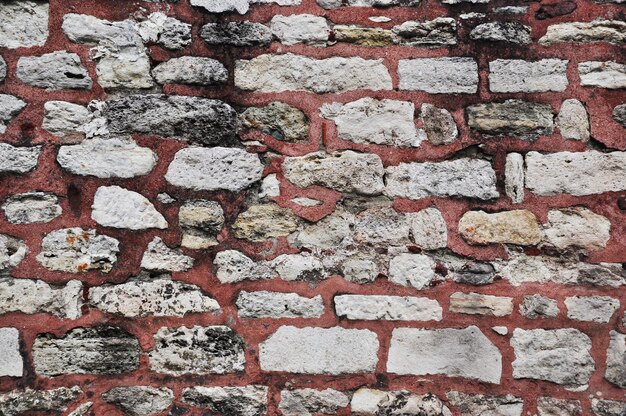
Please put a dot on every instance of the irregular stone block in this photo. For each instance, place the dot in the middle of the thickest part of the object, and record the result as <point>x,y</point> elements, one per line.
<point>537,306</point>
<point>190,70</point>
<point>23,24</point>
<point>478,304</point>
<point>550,10</point>
<point>598,30</point>
<point>510,32</point>
<point>591,308</point>
<point>54,71</point>
<point>439,126</point>
<point>333,4</point>
<point>439,75</point>
<point>550,406</point>
<point>10,107</point>
<point>414,270</point>
<point>158,257</point>
<point>363,36</point>
<point>479,404</point>
<point>306,402</point>
<point>513,118</point>
<point>31,207</point>
<point>264,304</point>
<point>573,120</point>
<point>234,266</point>
<point>607,407</point>
<point>221,6</point>
<point>236,34</point>
<point>514,177</point>
<point>508,227</point>
<point>577,227</point>
<point>388,308</point>
<point>619,114</point>
<point>12,252</point>
<point>66,120</point>
<point>235,401</point>
<point>140,400</point>
<point>36,296</point>
<point>382,226</point>
<point>328,233</point>
<point>300,28</point>
<point>517,75</point>
<point>3,69</point>
<point>18,402</point>
<point>368,402</point>
<point>428,229</point>
<point>299,267</point>
<point>263,222</point>
<point>11,362</point>
<point>609,74</point>
<point>18,159</point>
<point>201,222</point>
<point>117,207</point>
<point>279,120</point>
<point>435,33</point>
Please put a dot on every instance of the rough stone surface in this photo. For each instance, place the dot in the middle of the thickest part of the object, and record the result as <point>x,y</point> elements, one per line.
<point>615,371</point>
<point>12,252</point>
<point>66,120</point>
<point>550,406</point>
<point>439,126</point>
<point>607,407</point>
<point>368,402</point>
<point>416,270</point>
<point>517,75</point>
<point>190,70</point>
<point>234,266</point>
<point>389,308</point>
<point>306,402</point>
<point>23,24</point>
<point>19,402</point>
<point>599,30</point>
<point>36,296</point>
<point>300,28</point>
<point>235,401</point>
<point>140,400</point>
<point>537,306</point>
<point>117,207</point>
<point>262,222</point>
<point>514,118</point>
<point>591,308</point>
<point>508,227</point>
<point>439,75</point>
<point>236,33</point>
<point>54,71</point>
<point>279,120</point>
<point>514,177</point>
<point>158,257</point>
<point>478,304</point>
<point>479,404</point>
<point>510,32</point>
<point>577,227</point>
<point>573,120</point>
<point>31,207</point>
<point>429,229</point>
<point>431,33</point>
<point>11,362</point>
<point>10,107</point>
<point>201,221</point>
<point>264,304</point>
<point>611,75</point>
<point>3,69</point>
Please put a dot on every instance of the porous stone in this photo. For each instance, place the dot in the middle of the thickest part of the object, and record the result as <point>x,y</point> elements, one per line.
<point>473,273</point>
<point>158,257</point>
<point>10,107</point>
<point>468,353</point>
<point>197,350</point>
<point>97,350</point>
<point>510,32</point>
<point>328,233</point>
<point>619,114</point>
<point>331,351</point>
<point>430,33</point>
<point>472,178</point>
<point>363,36</point>
<point>36,296</point>
<point>117,207</point>
<point>23,24</point>
<point>66,120</point>
<point>306,402</point>
<point>31,207</point>
<point>415,270</point>
<point>607,407</point>
<point>300,28</point>
<point>236,401</point>
<point>439,126</point>
<point>439,75</point>
<point>190,70</point>
<point>508,227</point>
<point>114,157</point>
<point>264,304</point>
<point>12,252</point>
<point>3,69</point>
<point>20,402</point>
<point>514,118</point>
<point>573,120</point>
<point>222,6</point>
<point>145,296</point>
<point>201,222</point>
<point>234,266</point>
<point>299,267</point>
<point>236,34</point>
<point>165,31</point>
<point>382,226</point>
<point>388,308</point>
<point>214,169</point>
<point>517,75</point>
<point>279,120</point>
<point>561,356</point>
<point>140,400</point>
<point>550,406</point>
<point>598,30</point>
<point>359,270</point>
<point>428,229</point>
<point>262,222</point>
<point>576,173</point>
<point>479,304</point>
<point>368,120</point>
<point>81,410</point>
<point>75,250</point>
<point>514,177</point>
<point>615,371</point>
<point>591,308</point>
<point>537,306</point>
<point>479,404</point>
<point>368,402</point>
<point>344,171</point>
<point>576,227</point>
<point>11,362</point>
<point>54,71</point>
<point>289,72</point>
<point>611,75</point>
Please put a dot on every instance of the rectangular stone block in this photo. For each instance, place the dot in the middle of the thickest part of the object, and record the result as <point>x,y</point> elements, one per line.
<point>517,75</point>
<point>439,75</point>
<point>11,363</point>
<point>512,118</point>
<point>611,75</point>
<point>390,308</point>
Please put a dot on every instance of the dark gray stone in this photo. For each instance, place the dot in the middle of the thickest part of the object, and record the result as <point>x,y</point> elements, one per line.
<point>512,32</point>
<point>514,118</point>
<point>619,114</point>
<point>236,34</point>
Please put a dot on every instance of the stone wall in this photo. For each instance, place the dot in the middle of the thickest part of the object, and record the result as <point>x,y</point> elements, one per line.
<point>298,207</point>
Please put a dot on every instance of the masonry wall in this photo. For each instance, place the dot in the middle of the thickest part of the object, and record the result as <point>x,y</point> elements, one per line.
<point>300,207</point>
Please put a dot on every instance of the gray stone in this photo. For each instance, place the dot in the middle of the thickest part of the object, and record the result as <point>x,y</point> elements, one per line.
<point>518,75</point>
<point>115,157</point>
<point>428,229</point>
<point>232,401</point>
<point>54,71</point>
<point>381,226</point>
<point>66,120</point>
<point>31,207</point>
<point>414,270</point>
<point>12,252</point>
<point>472,272</point>
<point>234,266</point>
<point>306,402</point>
<point>18,159</point>
<point>388,308</point>
<point>468,353</point>
<point>74,250</point>
<point>333,4</point>
<point>514,177</point>
<point>550,406</point>
<point>190,70</point>
<point>471,178</point>
<point>201,222</point>
<point>214,169</point>
<point>197,350</point>
<point>607,407</point>
<point>619,114</point>
<point>10,107</point>
<point>439,126</point>
<point>81,28</point>
<point>331,351</point>
<point>140,400</point>
<point>344,171</point>
<point>165,31</point>
<point>117,207</point>
<point>300,28</point>
<point>609,74</point>
<point>537,306</point>
<point>561,356</point>
<point>158,257</point>
<point>236,34</point>
<point>511,32</point>
<point>23,24</point>
<point>368,120</point>
<point>3,69</point>
<point>479,304</point>
<point>615,371</point>
<point>11,362</point>
<point>368,402</point>
<point>81,410</point>
<point>19,402</point>
<point>576,227</point>
<point>263,222</point>
<point>439,75</point>
<point>288,72</point>
<point>299,267</point>
<point>479,404</point>
<point>598,30</point>
<point>279,120</point>
<point>36,296</point>
<point>591,308</point>
<point>264,304</point>
<point>221,6</point>
<point>514,118</point>
<point>573,120</point>
<point>97,350</point>
<point>328,233</point>
<point>431,33</point>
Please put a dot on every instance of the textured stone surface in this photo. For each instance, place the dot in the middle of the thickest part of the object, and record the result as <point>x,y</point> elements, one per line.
<point>368,402</point>
<point>54,71</point>
<point>330,351</point>
<point>18,402</point>
<point>439,126</point>
<point>300,28</point>
<point>611,75</point>
<point>599,30</point>
<point>591,308</point>
<point>514,118</point>
<point>280,120</point>
<point>140,400</point>
<point>573,120</point>
<point>262,222</point>
<point>234,266</point>
<point>439,75</point>
<point>607,407</point>
<point>537,306</point>
<point>577,227</point>
<point>235,401</point>
<point>31,207</point>
<point>3,69</point>
<point>431,33</point>
<point>429,229</point>
<point>18,159</point>
<point>190,70</point>
<point>306,402</point>
<point>264,304</point>
<point>236,33</point>
<point>390,308</point>
<point>159,257</point>
<point>514,177</point>
<point>36,296</point>
<point>11,363</point>
<point>66,120</point>
<point>550,406</point>
<point>478,304</point>
<point>615,371</point>
<point>507,227</point>
<point>12,252</point>
<point>479,404</point>
<point>23,24</point>
<point>10,106</point>
<point>416,270</point>
<point>517,75</point>
<point>200,221</point>
<point>117,207</point>
<point>510,32</point>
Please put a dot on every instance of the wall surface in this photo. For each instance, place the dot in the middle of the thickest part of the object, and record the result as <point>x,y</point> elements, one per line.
<point>301,207</point>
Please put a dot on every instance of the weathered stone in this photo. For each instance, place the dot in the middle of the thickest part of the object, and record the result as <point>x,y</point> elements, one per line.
<point>235,401</point>
<point>145,296</point>
<point>428,229</point>
<point>158,257</point>
<point>214,169</point>
<point>517,75</point>
<point>344,171</point>
<point>74,250</point>
<point>472,178</point>
<point>368,402</point>
<point>201,222</point>
<point>262,222</point>
<point>277,73</point>
<point>10,107</point>
<point>515,118</point>
<point>306,402</point>
<point>3,69</point>
<point>333,4</point>
<point>233,266</point>
<point>478,304</point>
<point>23,24</point>
<point>11,362</point>
<point>599,30</point>
<point>359,270</point>
<point>431,33</point>
<point>550,406</point>
<point>607,407</point>
<point>54,71</point>
<point>577,227</point>
<point>439,126</point>
<point>299,267</point>
<point>439,75</point>
<point>190,70</point>
<point>416,270</point>
<point>514,177</point>
<point>165,31</point>
<point>609,74</point>
<point>368,120</point>
<point>581,173</point>
<point>81,410</point>
<point>573,120</point>
<point>382,226</point>
<point>473,273</point>
<point>363,36</point>
<point>591,308</point>
<point>12,252</point>
<point>198,120</point>
<point>561,356</point>
<point>508,227</point>
<point>264,304</point>
<point>115,157</point>
<point>330,232</point>
<point>236,34</point>
<point>97,350</point>
<point>66,120</point>
<point>36,296</point>
<point>468,353</point>
<point>300,28</point>
<point>537,306</point>
<point>117,207</point>
<point>81,28</point>
<point>280,120</point>
<point>511,32</point>
<point>389,308</point>
<point>140,400</point>
<point>479,404</point>
<point>221,6</point>
<point>330,351</point>
<point>619,114</point>
<point>31,207</point>
<point>615,371</point>
<point>20,402</point>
